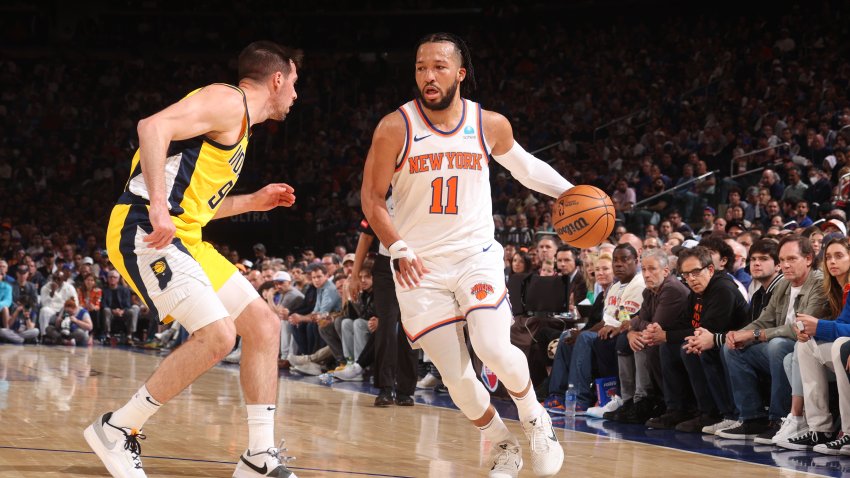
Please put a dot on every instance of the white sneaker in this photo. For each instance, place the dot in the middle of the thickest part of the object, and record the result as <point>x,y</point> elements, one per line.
<point>309,368</point>
<point>351,373</point>
<point>299,359</point>
<point>118,448</point>
<point>506,458</point>
<point>724,424</point>
<point>612,406</point>
<point>234,357</point>
<point>791,427</point>
<point>547,456</point>
<point>429,382</point>
<point>273,464</point>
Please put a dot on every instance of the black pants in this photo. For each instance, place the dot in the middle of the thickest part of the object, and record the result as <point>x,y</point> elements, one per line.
<point>709,382</point>
<point>676,384</point>
<point>395,360</point>
<point>605,352</point>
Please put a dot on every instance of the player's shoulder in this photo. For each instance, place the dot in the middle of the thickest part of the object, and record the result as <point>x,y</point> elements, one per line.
<point>221,95</point>
<point>497,128</point>
<point>392,125</point>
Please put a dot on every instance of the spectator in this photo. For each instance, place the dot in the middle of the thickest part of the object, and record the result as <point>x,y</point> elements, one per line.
<point>117,305</point>
<point>562,366</point>
<point>795,188</point>
<point>739,265</point>
<point>714,307</point>
<point>71,326</point>
<point>332,263</point>
<point>567,262</point>
<point>23,290</point>
<point>664,302</point>
<point>89,295</point>
<point>801,214</point>
<point>20,327</point>
<point>5,302</point>
<point>708,215</point>
<point>761,347</point>
<point>54,294</point>
<point>355,330</point>
<point>818,359</point>
<point>327,301</point>
<point>284,299</point>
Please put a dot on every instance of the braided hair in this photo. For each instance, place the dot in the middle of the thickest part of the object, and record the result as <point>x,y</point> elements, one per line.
<point>462,49</point>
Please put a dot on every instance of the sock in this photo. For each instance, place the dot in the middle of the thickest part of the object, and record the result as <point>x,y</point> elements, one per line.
<point>137,411</point>
<point>260,427</point>
<point>527,405</point>
<point>496,431</point>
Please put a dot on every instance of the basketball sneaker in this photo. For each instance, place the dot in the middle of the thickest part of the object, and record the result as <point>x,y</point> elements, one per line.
<point>264,463</point>
<point>506,459</point>
<point>547,456</point>
<point>429,382</point>
<point>352,373</point>
<point>117,447</point>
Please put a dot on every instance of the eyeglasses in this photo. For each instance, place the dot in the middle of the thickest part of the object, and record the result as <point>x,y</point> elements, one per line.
<point>693,274</point>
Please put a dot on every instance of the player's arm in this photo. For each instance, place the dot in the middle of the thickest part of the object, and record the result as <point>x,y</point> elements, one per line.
<point>213,109</point>
<point>531,172</point>
<point>270,197</point>
<point>387,143</point>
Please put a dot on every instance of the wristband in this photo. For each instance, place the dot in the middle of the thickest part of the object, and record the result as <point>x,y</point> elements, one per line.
<point>400,250</point>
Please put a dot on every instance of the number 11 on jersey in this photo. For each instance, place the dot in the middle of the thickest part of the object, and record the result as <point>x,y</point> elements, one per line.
<point>437,196</point>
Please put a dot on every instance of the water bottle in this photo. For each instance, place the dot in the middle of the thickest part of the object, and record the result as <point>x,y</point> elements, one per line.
<point>570,402</point>
<point>326,379</point>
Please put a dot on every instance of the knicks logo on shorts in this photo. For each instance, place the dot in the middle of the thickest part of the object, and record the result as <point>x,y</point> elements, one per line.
<point>481,290</point>
<point>162,272</point>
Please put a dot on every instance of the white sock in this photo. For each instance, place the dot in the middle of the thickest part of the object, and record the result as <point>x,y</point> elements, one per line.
<point>137,411</point>
<point>496,431</point>
<point>260,427</point>
<point>527,405</point>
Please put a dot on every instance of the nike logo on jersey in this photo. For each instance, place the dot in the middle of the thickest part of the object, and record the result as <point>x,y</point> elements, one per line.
<point>487,248</point>
<point>417,139</point>
<point>254,467</point>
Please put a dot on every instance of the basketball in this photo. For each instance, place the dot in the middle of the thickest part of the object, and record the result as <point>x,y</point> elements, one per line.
<point>583,216</point>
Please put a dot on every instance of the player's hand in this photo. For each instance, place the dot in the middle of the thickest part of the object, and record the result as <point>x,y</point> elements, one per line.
<point>163,227</point>
<point>810,324</point>
<point>409,267</point>
<point>272,196</point>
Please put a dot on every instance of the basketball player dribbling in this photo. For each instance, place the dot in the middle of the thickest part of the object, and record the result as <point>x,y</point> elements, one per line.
<point>448,267</point>
<point>190,156</point>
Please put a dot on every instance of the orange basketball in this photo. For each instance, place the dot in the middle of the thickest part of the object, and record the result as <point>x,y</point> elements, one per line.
<point>583,216</point>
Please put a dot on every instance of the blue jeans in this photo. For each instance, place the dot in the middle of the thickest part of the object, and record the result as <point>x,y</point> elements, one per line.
<point>559,378</point>
<point>744,368</point>
<point>581,369</point>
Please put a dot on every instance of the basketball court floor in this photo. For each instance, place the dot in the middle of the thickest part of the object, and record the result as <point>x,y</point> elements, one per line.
<point>48,395</point>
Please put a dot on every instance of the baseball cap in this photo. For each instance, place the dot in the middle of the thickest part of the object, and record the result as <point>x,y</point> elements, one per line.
<point>689,244</point>
<point>88,260</point>
<point>835,223</point>
<point>247,263</point>
<point>282,276</point>
<point>259,247</point>
<point>348,257</point>
<point>710,209</point>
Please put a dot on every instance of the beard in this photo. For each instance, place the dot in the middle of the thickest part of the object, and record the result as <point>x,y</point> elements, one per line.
<point>442,103</point>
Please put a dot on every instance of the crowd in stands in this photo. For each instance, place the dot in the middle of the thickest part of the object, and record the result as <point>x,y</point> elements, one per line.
<point>718,303</point>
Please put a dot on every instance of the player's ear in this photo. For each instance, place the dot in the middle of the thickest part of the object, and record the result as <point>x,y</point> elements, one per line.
<point>461,74</point>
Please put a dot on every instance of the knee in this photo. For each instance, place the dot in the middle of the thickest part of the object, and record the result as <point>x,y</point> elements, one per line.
<point>347,326</point>
<point>221,337</point>
<point>778,348</point>
<point>361,326</point>
<point>262,327</point>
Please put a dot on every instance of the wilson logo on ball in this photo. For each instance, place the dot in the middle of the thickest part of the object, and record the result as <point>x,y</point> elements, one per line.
<point>573,227</point>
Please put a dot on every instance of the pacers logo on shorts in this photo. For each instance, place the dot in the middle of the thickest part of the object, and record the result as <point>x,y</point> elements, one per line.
<point>481,290</point>
<point>162,272</point>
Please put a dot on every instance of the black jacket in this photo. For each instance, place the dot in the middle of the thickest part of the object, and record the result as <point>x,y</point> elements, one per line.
<point>719,309</point>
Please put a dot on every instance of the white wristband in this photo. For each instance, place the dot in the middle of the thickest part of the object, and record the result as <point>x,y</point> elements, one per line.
<point>399,249</point>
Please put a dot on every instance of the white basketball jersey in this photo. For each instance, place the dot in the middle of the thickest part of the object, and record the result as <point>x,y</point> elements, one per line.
<point>441,185</point>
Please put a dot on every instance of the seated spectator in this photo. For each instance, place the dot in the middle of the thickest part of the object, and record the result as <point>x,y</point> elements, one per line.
<point>665,301</point>
<point>621,302</point>
<point>54,294</point>
<point>22,287</point>
<point>559,379</point>
<point>5,299</point>
<point>547,268</point>
<point>818,350</point>
<point>739,265</point>
<point>20,327</point>
<point>708,216</point>
<point>760,348</point>
<point>308,337</point>
<point>567,263</point>
<point>723,257</point>
<point>801,215</point>
<point>71,326</point>
<point>714,307</point>
<point>355,329</point>
<point>285,298</point>
<point>117,305</point>
<point>89,296</point>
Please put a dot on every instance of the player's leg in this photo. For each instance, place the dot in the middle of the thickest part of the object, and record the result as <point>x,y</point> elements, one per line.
<point>259,328</point>
<point>482,294</point>
<point>447,349</point>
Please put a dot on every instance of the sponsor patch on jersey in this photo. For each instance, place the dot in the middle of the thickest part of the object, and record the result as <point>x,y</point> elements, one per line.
<point>481,290</point>
<point>162,272</point>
